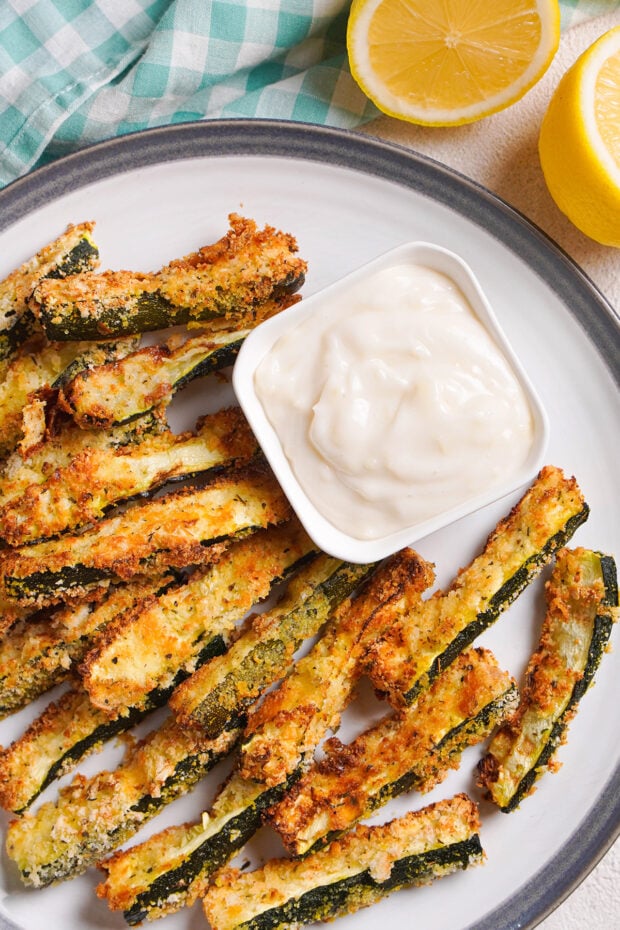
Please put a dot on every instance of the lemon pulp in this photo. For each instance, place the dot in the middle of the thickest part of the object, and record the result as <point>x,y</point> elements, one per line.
<point>579,142</point>
<point>451,62</point>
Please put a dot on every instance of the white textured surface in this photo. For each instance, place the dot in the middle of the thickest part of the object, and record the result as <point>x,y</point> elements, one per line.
<point>500,152</point>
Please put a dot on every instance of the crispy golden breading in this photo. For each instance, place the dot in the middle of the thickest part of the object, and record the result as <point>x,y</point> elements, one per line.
<point>192,526</point>
<point>171,869</point>
<point>64,733</point>
<point>149,377</point>
<point>33,368</point>
<point>413,651</point>
<point>412,749</point>
<point>582,606</point>
<point>20,472</point>
<point>72,251</point>
<point>37,653</point>
<point>148,647</point>
<point>96,478</point>
<point>290,722</point>
<point>93,816</point>
<point>264,651</point>
<point>228,279</point>
<point>353,872</point>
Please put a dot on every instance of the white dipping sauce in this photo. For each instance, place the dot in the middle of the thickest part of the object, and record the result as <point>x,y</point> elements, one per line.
<point>394,404</point>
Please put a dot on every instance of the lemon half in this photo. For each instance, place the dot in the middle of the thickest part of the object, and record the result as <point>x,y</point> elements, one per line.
<point>450,62</point>
<point>579,142</point>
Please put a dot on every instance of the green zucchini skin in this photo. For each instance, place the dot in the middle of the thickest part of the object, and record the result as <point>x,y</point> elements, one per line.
<point>261,656</point>
<point>349,894</point>
<point>192,526</point>
<point>155,647</point>
<point>150,311</point>
<point>98,479</point>
<point>526,744</point>
<point>11,339</point>
<point>83,740</point>
<point>500,601</point>
<point>73,252</point>
<point>35,654</point>
<point>228,281</point>
<point>411,750</point>
<point>100,813</point>
<point>149,377</point>
<point>406,661</point>
<point>179,885</point>
<point>414,850</point>
<point>72,732</point>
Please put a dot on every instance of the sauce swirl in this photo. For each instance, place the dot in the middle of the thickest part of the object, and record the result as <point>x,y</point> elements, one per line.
<point>394,404</point>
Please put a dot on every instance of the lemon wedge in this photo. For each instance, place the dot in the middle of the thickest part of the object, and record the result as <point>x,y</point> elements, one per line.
<point>579,142</point>
<point>450,62</point>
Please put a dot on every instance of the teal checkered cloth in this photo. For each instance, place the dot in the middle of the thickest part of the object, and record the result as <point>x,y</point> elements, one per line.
<point>74,72</point>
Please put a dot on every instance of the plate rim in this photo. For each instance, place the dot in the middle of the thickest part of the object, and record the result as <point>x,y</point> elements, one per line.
<point>530,903</point>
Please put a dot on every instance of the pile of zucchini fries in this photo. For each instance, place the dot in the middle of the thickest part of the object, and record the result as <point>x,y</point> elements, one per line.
<point>137,601</point>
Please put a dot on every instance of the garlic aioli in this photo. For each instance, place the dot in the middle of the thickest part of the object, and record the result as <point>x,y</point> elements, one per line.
<point>393,403</point>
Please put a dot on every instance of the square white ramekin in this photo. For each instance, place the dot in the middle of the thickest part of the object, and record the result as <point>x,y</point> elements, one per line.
<point>328,537</point>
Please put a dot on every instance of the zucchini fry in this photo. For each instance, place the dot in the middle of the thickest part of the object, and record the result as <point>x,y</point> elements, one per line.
<point>291,721</point>
<point>37,367</point>
<point>58,450</point>
<point>120,391</point>
<point>582,605</point>
<point>37,654</point>
<point>413,652</point>
<point>154,647</point>
<point>264,651</point>
<point>96,479</point>
<point>72,252</point>
<point>413,749</point>
<point>172,869</point>
<point>352,873</point>
<point>227,281</point>
<point>192,526</point>
<point>93,816</point>
<point>68,730</point>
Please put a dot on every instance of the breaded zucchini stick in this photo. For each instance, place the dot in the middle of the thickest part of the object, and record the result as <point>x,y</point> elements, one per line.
<point>264,651</point>
<point>58,450</point>
<point>69,729</point>
<point>93,816</point>
<point>228,280</point>
<point>171,869</point>
<point>37,654</point>
<point>72,252</point>
<point>166,638</point>
<point>97,478</point>
<point>291,721</point>
<point>413,652</point>
<point>413,749</point>
<point>148,652</point>
<point>352,873</point>
<point>195,525</point>
<point>38,367</point>
<point>120,391</point>
<point>582,606</point>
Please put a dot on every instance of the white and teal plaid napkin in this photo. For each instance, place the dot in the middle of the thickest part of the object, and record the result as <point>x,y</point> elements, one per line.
<point>74,72</point>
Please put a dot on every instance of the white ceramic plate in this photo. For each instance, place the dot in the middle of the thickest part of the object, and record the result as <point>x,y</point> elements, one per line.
<point>161,194</point>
